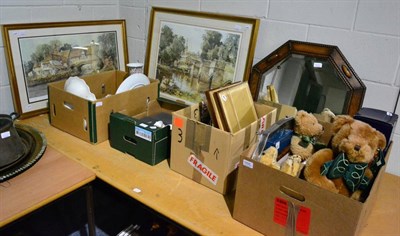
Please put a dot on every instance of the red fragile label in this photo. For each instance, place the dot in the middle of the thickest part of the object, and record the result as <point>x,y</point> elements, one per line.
<point>281,212</point>
<point>303,220</point>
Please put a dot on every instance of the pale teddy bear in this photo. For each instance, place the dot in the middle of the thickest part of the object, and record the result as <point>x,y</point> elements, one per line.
<point>306,129</point>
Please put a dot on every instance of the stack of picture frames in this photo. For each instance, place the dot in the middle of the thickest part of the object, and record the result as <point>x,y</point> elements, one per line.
<point>231,107</point>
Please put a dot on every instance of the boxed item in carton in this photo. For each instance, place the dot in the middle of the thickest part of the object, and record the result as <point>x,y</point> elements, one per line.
<point>142,135</point>
<point>209,155</point>
<point>281,204</point>
<point>88,120</point>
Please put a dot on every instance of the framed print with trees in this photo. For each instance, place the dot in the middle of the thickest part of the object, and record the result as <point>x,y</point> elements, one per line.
<point>40,53</point>
<point>192,52</point>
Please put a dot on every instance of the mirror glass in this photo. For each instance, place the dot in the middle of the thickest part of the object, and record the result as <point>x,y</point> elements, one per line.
<point>307,83</point>
<point>308,76</point>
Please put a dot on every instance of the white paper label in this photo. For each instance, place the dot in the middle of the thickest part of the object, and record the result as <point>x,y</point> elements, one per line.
<point>142,133</point>
<point>248,164</point>
<point>5,134</point>
<point>224,98</point>
<point>317,65</point>
<point>203,169</point>
<point>137,190</point>
<point>277,145</point>
<point>99,104</point>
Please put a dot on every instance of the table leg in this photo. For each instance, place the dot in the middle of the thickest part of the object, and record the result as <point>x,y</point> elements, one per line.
<point>90,210</point>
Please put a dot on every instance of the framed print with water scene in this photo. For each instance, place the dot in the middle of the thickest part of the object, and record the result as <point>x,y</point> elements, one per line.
<point>40,53</point>
<point>192,52</point>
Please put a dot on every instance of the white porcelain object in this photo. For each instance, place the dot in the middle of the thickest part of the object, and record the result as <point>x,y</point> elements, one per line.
<point>135,67</point>
<point>132,82</point>
<point>78,87</point>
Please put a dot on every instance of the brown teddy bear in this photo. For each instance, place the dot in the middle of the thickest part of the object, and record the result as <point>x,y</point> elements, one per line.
<point>306,130</point>
<point>345,168</point>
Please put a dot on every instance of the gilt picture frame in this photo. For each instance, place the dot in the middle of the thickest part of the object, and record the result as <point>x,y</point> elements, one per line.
<point>191,52</point>
<point>41,53</point>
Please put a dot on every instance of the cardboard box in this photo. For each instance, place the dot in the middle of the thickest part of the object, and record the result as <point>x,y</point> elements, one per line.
<point>88,120</point>
<point>267,200</point>
<point>138,136</point>
<point>282,110</point>
<point>209,155</point>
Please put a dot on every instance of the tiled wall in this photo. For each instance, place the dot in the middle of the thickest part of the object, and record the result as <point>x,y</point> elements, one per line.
<point>366,31</point>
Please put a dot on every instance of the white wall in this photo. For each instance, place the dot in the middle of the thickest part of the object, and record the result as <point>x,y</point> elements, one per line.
<point>366,31</point>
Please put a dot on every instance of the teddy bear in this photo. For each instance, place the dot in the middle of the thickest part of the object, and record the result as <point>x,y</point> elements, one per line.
<point>345,167</point>
<point>327,115</point>
<point>269,157</point>
<point>291,165</point>
<point>305,131</point>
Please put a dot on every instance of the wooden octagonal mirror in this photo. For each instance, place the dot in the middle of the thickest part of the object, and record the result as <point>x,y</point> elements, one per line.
<point>308,76</point>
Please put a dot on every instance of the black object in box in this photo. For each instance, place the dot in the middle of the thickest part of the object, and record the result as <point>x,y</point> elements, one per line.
<point>140,137</point>
<point>383,121</point>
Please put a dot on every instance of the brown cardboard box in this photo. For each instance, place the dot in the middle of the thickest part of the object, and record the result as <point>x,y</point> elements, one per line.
<point>88,120</point>
<point>282,110</point>
<point>265,197</point>
<point>209,155</point>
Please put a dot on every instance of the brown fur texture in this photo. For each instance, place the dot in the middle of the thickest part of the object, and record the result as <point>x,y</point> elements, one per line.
<point>305,124</point>
<point>358,140</point>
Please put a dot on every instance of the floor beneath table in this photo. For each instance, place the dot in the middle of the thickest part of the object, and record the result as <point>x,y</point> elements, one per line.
<point>114,212</point>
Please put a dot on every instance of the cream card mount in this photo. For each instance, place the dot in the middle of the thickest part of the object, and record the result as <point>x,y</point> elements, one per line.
<point>236,107</point>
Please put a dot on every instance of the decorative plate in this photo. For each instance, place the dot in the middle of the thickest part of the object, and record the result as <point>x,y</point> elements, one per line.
<point>35,145</point>
<point>133,81</point>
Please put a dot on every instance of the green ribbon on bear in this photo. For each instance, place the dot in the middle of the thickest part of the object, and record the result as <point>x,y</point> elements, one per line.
<point>352,173</point>
<point>305,140</point>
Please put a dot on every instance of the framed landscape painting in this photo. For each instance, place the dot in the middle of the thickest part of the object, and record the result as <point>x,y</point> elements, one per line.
<point>192,52</point>
<point>40,53</point>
